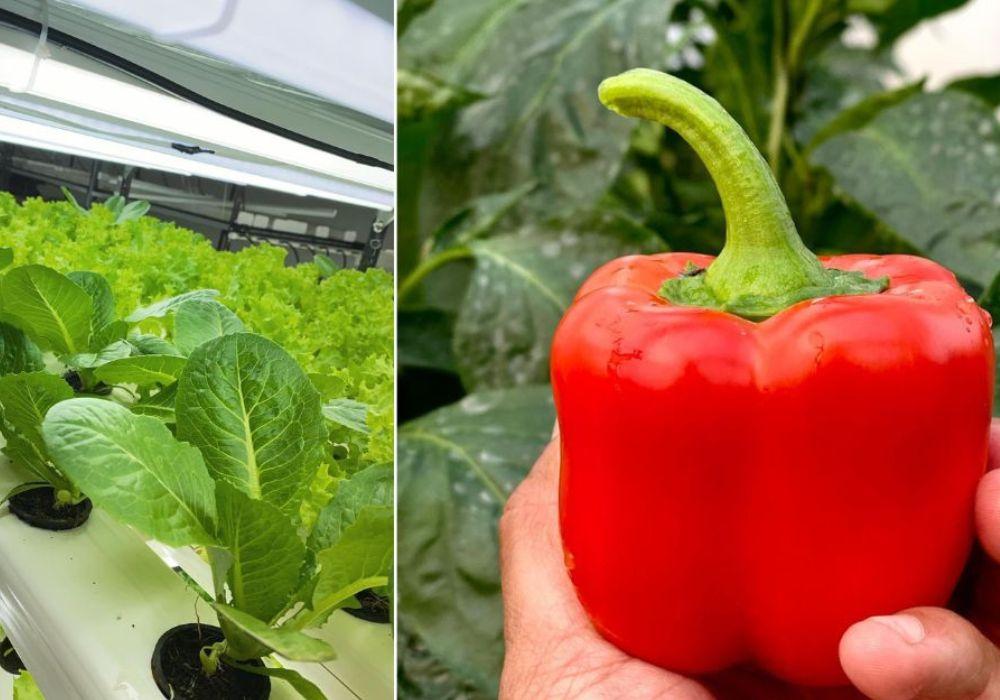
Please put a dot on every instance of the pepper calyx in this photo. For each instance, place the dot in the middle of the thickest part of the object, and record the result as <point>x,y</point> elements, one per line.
<point>691,290</point>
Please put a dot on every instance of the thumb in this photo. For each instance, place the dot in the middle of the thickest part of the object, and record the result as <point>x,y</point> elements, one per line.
<point>920,654</point>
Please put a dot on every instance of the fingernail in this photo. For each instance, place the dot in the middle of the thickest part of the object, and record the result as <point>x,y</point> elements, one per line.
<point>906,626</point>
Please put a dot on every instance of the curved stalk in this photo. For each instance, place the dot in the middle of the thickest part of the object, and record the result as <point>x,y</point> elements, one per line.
<point>764,265</point>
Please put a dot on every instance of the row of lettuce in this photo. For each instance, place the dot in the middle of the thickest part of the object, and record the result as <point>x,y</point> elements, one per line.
<point>206,398</point>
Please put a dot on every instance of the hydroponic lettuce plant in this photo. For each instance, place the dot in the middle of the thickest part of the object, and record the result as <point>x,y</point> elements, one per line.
<point>122,209</point>
<point>338,324</point>
<point>250,437</point>
<point>71,321</point>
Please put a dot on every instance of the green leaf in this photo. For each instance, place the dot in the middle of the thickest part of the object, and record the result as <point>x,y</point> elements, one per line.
<point>425,339</point>
<point>115,203</point>
<point>538,63</point>
<point>348,413</point>
<point>421,96</point>
<point>25,688</point>
<point>159,405</point>
<point>862,112</point>
<point>132,467</point>
<point>408,11</point>
<point>164,306</point>
<point>290,643</point>
<point>267,554</point>
<point>478,218</point>
<point>72,200</point>
<point>132,211</point>
<point>325,264</point>
<point>88,360</point>
<point>145,344</point>
<point>371,486</point>
<point>101,296</point>
<point>6,258</point>
<point>255,416</point>
<point>521,286</point>
<point>17,352</point>
<point>837,79</point>
<point>26,398</point>
<point>892,18</point>
<point>142,370</point>
<point>361,558</point>
<point>929,168</point>
<point>106,335</point>
<point>422,675</point>
<point>303,686</point>
<point>985,87</point>
<point>54,311</point>
<point>457,466</point>
<point>328,386</point>
<point>201,320</point>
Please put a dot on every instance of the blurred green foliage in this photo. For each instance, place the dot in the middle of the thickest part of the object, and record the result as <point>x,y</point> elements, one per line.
<point>515,183</point>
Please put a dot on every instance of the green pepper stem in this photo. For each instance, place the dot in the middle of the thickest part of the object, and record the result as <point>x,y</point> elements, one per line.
<point>764,266</point>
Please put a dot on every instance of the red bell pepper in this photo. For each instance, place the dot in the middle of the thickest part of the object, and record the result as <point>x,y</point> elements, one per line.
<point>760,449</point>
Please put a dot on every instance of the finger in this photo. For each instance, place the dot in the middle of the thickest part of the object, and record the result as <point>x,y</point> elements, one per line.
<point>920,654</point>
<point>994,462</point>
<point>988,513</point>
<point>988,498</point>
<point>538,597</point>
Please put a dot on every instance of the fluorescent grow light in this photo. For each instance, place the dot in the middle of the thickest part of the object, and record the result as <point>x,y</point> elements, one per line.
<point>67,84</point>
<point>25,132</point>
<point>332,48</point>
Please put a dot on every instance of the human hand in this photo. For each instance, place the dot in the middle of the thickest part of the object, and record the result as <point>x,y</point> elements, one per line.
<point>552,650</point>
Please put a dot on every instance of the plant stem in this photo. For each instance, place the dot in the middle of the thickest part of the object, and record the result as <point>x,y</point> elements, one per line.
<point>779,100</point>
<point>427,266</point>
<point>209,657</point>
<point>786,68</point>
<point>764,266</point>
<point>779,105</point>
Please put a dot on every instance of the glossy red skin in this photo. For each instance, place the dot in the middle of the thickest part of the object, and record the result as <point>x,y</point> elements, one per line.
<point>738,492</point>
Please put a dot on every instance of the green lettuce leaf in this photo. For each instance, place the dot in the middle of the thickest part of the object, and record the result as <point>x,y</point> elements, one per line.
<point>101,296</point>
<point>142,370</point>
<point>54,311</point>
<point>348,413</point>
<point>132,467</point>
<point>267,554</point>
<point>199,320</point>
<point>161,308</point>
<point>246,404</point>
<point>291,644</point>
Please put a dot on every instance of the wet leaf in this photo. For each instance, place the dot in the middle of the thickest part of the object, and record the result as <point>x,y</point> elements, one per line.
<point>522,284</point>
<point>537,63</point>
<point>929,168</point>
<point>457,466</point>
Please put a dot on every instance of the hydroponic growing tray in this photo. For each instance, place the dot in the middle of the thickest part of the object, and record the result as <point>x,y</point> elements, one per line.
<point>85,607</point>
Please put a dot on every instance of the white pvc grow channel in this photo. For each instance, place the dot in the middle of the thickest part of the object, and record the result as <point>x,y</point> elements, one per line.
<point>85,607</point>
